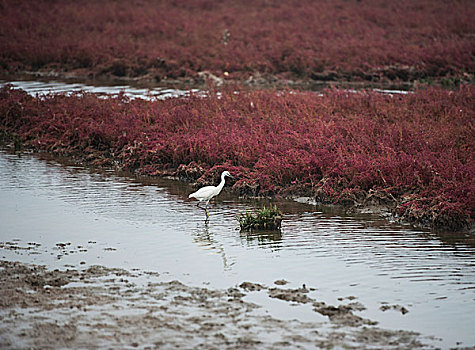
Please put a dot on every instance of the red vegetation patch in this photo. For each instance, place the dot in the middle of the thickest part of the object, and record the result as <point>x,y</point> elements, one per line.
<point>413,153</point>
<point>322,40</point>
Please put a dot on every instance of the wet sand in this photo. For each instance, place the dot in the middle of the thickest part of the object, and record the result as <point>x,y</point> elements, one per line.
<point>102,307</point>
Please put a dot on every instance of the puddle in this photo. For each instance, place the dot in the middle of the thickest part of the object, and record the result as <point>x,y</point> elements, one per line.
<point>64,215</point>
<point>45,87</point>
<point>34,88</point>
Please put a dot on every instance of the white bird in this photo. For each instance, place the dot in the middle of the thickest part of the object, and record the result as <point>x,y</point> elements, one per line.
<point>208,192</point>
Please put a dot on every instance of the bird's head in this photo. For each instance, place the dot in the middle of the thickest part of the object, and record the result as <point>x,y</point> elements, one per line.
<point>226,173</point>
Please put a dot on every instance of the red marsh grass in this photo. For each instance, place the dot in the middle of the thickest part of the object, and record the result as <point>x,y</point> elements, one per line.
<point>370,40</point>
<point>412,153</point>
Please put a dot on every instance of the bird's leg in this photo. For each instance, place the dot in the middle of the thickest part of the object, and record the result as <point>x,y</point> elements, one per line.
<point>205,209</point>
<point>199,206</point>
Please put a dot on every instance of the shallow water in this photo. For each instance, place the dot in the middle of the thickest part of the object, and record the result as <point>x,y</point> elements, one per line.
<point>46,87</point>
<point>64,215</point>
<point>39,88</point>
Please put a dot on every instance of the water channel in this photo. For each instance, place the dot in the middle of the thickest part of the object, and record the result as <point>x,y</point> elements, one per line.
<point>117,220</point>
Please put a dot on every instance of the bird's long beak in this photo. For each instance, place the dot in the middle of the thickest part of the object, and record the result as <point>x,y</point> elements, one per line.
<point>232,177</point>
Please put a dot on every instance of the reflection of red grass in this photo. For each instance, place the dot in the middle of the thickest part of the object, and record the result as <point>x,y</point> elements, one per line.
<point>292,38</point>
<point>415,151</point>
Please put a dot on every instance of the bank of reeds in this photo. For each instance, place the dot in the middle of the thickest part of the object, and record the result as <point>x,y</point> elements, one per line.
<point>413,153</point>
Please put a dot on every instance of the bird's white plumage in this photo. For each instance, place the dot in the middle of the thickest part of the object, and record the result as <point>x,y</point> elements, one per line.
<point>206,193</point>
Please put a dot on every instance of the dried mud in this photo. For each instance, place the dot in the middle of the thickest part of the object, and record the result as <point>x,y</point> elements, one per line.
<point>102,307</point>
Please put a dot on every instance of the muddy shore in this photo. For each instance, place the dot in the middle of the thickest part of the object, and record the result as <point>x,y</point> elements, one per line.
<point>106,307</point>
<point>205,80</point>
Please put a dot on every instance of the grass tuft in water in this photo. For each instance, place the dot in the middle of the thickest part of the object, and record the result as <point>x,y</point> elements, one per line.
<point>263,219</point>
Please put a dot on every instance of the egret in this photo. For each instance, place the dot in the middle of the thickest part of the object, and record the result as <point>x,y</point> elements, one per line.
<point>208,192</point>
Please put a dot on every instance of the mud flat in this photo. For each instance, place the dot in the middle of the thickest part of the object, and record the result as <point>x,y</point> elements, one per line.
<point>107,307</point>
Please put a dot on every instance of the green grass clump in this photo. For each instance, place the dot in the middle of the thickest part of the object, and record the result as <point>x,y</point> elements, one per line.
<point>263,219</point>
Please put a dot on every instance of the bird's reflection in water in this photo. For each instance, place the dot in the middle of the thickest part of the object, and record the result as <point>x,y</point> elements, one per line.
<point>205,239</point>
